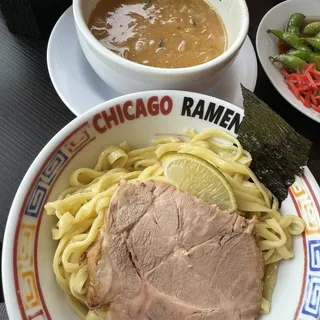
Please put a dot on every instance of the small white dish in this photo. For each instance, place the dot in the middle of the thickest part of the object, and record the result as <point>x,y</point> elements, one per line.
<point>267,46</point>
<point>80,88</point>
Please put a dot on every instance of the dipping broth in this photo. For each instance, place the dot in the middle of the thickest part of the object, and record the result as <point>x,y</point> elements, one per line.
<point>160,33</point>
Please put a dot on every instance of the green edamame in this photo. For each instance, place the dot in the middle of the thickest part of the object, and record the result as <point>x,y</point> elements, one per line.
<point>294,23</point>
<point>314,42</point>
<point>292,62</point>
<point>307,56</point>
<point>290,39</point>
<point>312,28</point>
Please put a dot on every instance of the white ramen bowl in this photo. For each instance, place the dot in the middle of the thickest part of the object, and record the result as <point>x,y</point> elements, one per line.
<point>30,288</point>
<point>126,76</point>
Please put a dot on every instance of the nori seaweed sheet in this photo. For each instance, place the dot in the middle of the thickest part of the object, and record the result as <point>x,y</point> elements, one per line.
<point>278,151</point>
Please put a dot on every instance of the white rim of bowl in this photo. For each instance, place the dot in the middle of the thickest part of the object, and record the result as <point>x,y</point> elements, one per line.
<point>10,295</point>
<point>79,20</point>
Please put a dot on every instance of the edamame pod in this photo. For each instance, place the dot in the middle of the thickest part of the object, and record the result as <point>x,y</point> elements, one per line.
<point>290,39</point>
<point>314,42</point>
<point>292,62</point>
<point>306,56</point>
<point>312,28</point>
<point>294,23</point>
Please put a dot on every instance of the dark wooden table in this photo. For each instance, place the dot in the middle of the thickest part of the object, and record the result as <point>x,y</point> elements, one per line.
<point>31,112</point>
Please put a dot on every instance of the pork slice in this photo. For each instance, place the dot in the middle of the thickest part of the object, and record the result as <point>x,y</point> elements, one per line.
<point>163,254</point>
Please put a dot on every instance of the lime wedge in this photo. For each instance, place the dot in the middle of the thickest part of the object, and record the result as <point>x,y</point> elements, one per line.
<point>199,178</point>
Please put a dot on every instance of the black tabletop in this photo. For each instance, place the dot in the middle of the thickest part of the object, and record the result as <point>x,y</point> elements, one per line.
<point>31,111</point>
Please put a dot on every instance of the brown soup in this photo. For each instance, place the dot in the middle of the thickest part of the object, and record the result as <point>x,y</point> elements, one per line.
<point>160,33</point>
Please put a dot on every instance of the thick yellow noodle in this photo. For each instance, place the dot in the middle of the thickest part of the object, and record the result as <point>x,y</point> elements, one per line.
<point>81,208</point>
